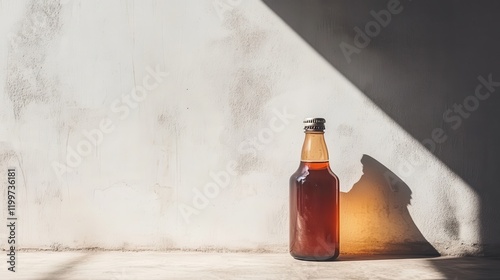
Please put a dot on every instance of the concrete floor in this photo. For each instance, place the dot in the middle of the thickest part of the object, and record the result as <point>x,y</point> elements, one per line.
<point>194,265</point>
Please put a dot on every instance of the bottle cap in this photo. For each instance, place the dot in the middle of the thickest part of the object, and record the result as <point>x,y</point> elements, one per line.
<point>314,124</point>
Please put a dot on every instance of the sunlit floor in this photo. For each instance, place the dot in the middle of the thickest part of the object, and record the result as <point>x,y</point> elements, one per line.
<point>194,265</point>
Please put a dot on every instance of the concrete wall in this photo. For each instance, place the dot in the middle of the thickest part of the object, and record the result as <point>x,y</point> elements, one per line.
<point>176,124</point>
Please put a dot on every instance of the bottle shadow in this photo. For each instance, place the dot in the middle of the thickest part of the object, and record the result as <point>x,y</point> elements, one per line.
<point>374,219</point>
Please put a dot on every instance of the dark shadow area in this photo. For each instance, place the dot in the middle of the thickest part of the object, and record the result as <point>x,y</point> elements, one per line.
<point>374,217</point>
<point>66,268</point>
<point>468,267</point>
<point>415,67</point>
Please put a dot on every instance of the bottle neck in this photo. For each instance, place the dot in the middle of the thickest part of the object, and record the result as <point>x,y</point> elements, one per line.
<point>314,148</point>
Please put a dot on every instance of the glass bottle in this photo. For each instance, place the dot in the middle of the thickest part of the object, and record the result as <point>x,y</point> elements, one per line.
<point>314,200</point>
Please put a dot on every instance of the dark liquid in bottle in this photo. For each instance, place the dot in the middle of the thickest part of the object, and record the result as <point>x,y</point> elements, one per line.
<point>314,212</point>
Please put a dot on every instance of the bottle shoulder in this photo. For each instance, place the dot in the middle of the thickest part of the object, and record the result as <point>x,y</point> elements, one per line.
<point>313,169</point>
<point>333,174</point>
<point>299,172</point>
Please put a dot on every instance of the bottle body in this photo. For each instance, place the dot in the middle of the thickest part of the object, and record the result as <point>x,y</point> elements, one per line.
<point>314,204</point>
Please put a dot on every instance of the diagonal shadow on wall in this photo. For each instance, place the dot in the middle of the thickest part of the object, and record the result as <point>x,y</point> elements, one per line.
<point>427,58</point>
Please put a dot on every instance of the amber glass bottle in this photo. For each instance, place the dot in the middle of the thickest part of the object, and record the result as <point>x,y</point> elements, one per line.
<point>314,200</point>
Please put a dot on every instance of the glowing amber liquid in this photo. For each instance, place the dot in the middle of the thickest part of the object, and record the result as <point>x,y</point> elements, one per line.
<point>314,212</point>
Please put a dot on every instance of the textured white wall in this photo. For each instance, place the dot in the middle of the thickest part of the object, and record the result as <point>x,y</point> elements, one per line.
<point>234,69</point>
